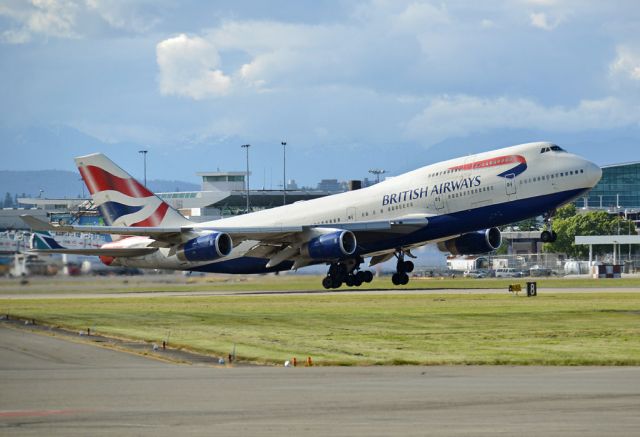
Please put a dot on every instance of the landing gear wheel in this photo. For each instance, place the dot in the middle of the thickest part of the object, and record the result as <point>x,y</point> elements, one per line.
<point>546,237</point>
<point>357,280</point>
<point>368,276</point>
<point>349,281</point>
<point>404,279</point>
<point>326,282</point>
<point>554,236</point>
<point>408,266</point>
<point>395,279</point>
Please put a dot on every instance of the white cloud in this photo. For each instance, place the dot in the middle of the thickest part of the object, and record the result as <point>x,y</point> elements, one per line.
<point>462,115</point>
<point>626,64</point>
<point>189,66</point>
<point>540,21</point>
<point>71,18</point>
<point>487,24</point>
<point>16,36</point>
<point>122,14</point>
<point>418,16</point>
<point>55,18</point>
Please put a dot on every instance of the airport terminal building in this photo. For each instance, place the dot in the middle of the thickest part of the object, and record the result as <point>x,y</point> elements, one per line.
<point>619,188</point>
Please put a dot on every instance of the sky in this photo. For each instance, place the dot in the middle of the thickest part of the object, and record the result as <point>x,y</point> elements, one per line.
<point>349,85</point>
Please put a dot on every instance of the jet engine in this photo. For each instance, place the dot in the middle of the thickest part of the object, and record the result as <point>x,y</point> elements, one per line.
<point>206,247</point>
<point>473,243</point>
<point>332,245</point>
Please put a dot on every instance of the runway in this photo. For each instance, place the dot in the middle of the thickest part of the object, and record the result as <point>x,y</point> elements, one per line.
<point>55,387</point>
<point>381,291</point>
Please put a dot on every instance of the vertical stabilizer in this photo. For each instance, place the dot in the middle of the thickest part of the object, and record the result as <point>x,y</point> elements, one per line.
<point>122,200</point>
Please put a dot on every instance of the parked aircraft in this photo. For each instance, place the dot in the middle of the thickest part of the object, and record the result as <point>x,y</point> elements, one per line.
<point>72,264</point>
<point>456,203</point>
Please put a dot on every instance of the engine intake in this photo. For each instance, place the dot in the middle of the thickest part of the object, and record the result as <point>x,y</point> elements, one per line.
<point>331,245</point>
<point>473,243</point>
<point>205,248</point>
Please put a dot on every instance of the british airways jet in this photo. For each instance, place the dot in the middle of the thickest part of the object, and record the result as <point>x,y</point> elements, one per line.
<point>457,203</point>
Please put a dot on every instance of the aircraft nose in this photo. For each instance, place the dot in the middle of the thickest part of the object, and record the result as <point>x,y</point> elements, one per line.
<point>593,173</point>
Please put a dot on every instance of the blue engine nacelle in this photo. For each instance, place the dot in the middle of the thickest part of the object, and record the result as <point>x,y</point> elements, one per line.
<point>206,248</point>
<point>473,243</point>
<point>331,246</point>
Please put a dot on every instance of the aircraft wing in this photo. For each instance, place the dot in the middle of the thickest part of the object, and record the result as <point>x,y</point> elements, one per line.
<point>270,235</point>
<point>287,234</point>
<point>116,252</point>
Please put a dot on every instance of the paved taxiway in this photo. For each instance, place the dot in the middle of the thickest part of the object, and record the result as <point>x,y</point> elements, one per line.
<point>55,387</point>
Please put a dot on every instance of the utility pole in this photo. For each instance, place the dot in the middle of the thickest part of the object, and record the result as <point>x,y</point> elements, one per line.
<point>144,154</point>
<point>284,172</point>
<point>246,147</point>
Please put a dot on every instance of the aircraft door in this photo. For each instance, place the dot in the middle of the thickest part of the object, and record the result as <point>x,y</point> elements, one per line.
<point>351,214</point>
<point>439,203</point>
<point>510,182</point>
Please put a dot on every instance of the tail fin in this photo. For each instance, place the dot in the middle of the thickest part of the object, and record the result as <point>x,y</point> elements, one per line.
<point>44,240</point>
<point>121,199</point>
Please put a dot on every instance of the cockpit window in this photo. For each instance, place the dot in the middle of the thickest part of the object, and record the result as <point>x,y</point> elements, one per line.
<point>554,148</point>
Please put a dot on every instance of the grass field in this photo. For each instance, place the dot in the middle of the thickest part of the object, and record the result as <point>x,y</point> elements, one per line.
<point>279,283</point>
<point>354,329</point>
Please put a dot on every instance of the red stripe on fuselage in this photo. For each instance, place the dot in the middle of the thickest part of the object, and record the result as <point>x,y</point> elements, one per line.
<point>156,218</point>
<point>491,162</point>
<point>98,180</point>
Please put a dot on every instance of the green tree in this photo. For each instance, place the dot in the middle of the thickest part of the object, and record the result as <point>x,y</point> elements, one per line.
<point>566,211</point>
<point>590,223</point>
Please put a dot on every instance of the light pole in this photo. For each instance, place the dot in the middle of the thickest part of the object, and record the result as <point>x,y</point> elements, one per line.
<point>284,172</point>
<point>246,146</point>
<point>144,154</point>
<point>377,172</point>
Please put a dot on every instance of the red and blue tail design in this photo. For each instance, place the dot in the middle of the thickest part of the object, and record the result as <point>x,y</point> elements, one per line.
<point>497,162</point>
<point>121,199</point>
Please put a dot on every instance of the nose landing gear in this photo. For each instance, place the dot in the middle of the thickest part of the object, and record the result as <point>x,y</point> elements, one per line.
<point>548,235</point>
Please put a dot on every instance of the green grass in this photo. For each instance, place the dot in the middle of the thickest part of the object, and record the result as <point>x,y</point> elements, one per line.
<point>280,283</point>
<point>353,329</point>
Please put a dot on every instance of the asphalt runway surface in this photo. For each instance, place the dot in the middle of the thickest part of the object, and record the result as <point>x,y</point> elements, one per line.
<point>51,386</point>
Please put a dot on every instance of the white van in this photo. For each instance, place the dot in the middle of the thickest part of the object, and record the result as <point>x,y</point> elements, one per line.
<point>507,273</point>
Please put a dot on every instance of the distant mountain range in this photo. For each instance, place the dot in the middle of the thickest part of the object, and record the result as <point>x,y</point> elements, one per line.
<point>61,183</point>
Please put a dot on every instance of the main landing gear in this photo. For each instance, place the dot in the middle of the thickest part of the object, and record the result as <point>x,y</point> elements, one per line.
<point>347,272</point>
<point>402,268</point>
<point>548,235</point>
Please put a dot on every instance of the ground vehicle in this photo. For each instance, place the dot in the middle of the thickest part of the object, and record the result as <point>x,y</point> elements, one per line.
<point>508,273</point>
<point>475,274</point>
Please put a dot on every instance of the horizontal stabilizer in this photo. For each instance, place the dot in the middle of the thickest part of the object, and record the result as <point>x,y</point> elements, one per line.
<point>115,252</point>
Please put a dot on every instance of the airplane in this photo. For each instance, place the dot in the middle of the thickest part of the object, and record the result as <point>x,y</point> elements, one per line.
<point>457,204</point>
<point>72,263</point>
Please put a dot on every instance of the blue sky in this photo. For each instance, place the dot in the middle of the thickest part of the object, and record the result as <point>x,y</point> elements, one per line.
<point>350,85</point>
